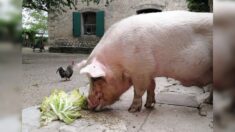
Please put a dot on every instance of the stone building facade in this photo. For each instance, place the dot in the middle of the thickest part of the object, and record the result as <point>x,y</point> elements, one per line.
<point>84,26</point>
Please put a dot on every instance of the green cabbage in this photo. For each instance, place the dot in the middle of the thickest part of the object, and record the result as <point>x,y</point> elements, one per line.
<point>62,106</point>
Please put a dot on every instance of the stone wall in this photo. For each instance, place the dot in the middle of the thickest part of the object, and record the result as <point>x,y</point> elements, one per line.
<point>60,26</point>
<point>84,42</point>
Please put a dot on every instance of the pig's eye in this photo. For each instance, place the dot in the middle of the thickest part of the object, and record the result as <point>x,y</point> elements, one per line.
<point>96,79</point>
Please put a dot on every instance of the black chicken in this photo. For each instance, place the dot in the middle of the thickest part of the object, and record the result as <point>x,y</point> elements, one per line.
<point>66,73</point>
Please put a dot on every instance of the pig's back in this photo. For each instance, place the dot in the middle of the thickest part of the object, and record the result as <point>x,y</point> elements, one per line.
<point>175,44</point>
<point>155,26</point>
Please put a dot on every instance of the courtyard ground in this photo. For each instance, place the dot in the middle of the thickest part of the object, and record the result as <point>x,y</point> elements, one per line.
<point>177,109</point>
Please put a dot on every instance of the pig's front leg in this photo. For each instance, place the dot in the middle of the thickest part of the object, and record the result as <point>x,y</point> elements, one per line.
<point>140,86</point>
<point>150,101</point>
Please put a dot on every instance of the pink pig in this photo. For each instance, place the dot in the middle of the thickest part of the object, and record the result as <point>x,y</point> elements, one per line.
<point>176,44</point>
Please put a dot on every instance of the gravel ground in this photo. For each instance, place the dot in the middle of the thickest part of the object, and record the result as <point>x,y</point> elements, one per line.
<point>40,78</point>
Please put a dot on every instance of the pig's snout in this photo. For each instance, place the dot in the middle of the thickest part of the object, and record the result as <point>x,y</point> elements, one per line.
<point>94,101</point>
<point>92,104</point>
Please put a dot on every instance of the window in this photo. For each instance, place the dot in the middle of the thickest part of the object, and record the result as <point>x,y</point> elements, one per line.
<point>89,23</point>
<point>150,10</point>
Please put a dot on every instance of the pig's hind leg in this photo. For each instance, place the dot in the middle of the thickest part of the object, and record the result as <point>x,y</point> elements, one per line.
<point>140,86</point>
<point>150,101</point>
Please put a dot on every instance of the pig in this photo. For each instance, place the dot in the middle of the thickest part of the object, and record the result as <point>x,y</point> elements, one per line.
<point>176,44</point>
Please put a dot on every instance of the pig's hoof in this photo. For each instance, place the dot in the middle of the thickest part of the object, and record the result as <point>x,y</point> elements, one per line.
<point>149,105</point>
<point>209,100</point>
<point>134,108</point>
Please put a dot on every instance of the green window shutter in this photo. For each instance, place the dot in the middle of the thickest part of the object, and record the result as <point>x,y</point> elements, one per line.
<point>76,24</point>
<point>100,23</point>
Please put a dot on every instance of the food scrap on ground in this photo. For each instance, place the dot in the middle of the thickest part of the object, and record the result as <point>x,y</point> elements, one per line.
<point>62,106</point>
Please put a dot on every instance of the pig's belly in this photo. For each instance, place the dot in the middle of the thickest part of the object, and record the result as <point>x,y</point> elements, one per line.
<point>189,68</point>
<point>189,76</point>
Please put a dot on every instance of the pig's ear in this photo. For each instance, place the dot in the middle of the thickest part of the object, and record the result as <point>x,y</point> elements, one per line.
<point>94,69</point>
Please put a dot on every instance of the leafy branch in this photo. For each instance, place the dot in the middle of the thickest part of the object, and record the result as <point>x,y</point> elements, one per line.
<point>57,5</point>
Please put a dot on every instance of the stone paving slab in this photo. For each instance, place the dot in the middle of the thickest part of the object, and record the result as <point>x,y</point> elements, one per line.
<point>89,122</point>
<point>169,118</point>
<point>163,118</point>
<point>171,92</point>
<point>10,123</point>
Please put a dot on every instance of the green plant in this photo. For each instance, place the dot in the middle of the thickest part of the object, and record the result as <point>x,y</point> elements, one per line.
<point>56,5</point>
<point>62,106</point>
<point>199,5</point>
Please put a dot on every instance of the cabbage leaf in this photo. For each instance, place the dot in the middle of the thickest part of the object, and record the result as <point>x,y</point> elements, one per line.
<point>62,106</point>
